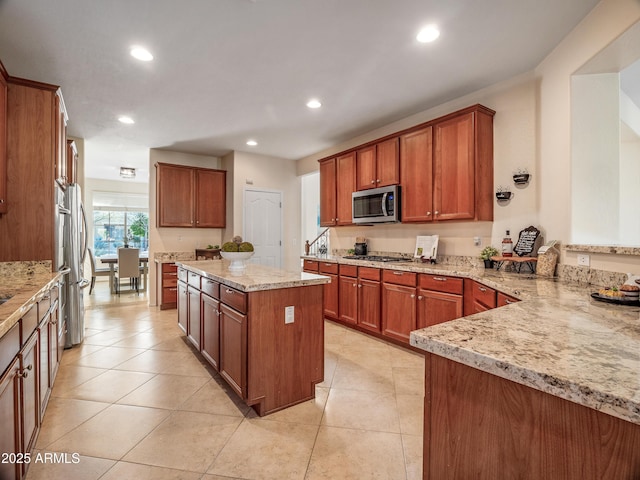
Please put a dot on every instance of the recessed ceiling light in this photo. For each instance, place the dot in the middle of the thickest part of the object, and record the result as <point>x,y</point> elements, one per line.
<point>141,53</point>
<point>252,143</point>
<point>313,103</point>
<point>127,172</point>
<point>127,120</point>
<point>428,34</point>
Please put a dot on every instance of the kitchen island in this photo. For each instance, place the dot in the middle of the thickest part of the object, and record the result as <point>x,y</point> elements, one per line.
<point>261,328</point>
<point>544,388</point>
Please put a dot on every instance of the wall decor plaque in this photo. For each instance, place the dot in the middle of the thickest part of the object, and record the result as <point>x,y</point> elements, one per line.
<point>528,242</point>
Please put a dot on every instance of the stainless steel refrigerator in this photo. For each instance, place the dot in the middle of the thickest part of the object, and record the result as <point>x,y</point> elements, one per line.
<point>75,250</point>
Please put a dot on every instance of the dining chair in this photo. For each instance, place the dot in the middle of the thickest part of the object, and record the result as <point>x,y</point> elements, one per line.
<point>128,267</point>
<point>96,272</point>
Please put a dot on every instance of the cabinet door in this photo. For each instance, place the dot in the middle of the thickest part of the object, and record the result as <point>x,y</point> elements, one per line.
<point>437,307</point>
<point>44,363</point>
<point>366,168</point>
<point>331,296</point>
<point>211,198</point>
<point>348,301</point>
<point>387,162</point>
<point>345,186</point>
<point>233,349</point>
<point>454,169</point>
<point>193,328</point>
<point>328,193</point>
<point>54,346</point>
<point>416,176</point>
<point>72,162</point>
<point>10,419</point>
<point>183,306</point>
<point>504,299</point>
<point>211,330</point>
<point>398,311</point>
<point>174,194</point>
<point>60,130</point>
<point>3,145</point>
<point>369,304</point>
<point>29,370</point>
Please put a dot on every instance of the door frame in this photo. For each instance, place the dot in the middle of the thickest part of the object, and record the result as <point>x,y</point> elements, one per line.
<point>244,213</point>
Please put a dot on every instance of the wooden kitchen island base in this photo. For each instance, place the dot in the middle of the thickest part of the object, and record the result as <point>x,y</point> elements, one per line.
<point>263,330</point>
<point>481,426</point>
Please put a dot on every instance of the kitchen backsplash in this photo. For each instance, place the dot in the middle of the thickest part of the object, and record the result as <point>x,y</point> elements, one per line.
<point>171,256</point>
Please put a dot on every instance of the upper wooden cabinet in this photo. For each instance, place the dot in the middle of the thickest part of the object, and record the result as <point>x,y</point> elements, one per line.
<point>416,168</point>
<point>60,129</point>
<point>337,182</point>
<point>377,165</point>
<point>190,197</point>
<point>72,162</point>
<point>3,141</point>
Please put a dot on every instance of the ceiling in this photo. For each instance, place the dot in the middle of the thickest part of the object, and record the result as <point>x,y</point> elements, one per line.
<point>226,71</point>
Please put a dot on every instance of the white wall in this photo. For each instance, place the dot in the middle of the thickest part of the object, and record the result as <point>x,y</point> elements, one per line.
<point>175,239</point>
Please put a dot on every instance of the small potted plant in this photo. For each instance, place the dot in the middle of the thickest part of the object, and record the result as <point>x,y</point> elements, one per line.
<point>486,255</point>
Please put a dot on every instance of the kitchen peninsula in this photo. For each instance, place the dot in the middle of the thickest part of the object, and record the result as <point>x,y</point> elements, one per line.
<point>261,328</point>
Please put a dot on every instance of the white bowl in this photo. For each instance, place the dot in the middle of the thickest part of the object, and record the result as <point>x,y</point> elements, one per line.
<point>237,259</point>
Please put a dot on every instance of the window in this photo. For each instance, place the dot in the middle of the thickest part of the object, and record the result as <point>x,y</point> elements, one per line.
<point>119,220</point>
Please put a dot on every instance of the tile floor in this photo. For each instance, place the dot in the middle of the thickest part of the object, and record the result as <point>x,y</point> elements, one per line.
<point>135,402</point>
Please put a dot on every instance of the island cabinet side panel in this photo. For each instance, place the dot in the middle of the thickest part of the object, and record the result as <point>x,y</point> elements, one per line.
<point>285,360</point>
<point>481,426</point>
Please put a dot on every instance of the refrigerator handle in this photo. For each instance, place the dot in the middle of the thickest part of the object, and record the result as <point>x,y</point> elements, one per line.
<point>86,234</point>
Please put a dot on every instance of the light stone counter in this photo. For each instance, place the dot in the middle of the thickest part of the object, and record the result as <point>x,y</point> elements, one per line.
<point>24,282</point>
<point>254,277</point>
<point>557,339</point>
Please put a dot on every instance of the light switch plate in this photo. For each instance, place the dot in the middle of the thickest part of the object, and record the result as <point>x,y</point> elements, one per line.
<point>584,260</point>
<point>289,313</point>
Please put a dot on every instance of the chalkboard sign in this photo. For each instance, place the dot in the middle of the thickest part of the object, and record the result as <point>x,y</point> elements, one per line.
<point>527,241</point>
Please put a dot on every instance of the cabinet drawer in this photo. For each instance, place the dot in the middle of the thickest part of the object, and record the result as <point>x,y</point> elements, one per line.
<point>9,347</point>
<point>28,323</point>
<point>399,278</point>
<point>326,267</point>
<point>44,304</point>
<point>169,268</point>
<point>234,298</point>
<point>311,265</point>
<point>441,283</point>
<point>484,295</point>
<point>182,275</point>
<point>211,287</point>
<point>348,270</point>
<point>194,280</point>
<point>504,299</point>
<point>369,273</point>
<point>169,295</point>
<point>169,280</point>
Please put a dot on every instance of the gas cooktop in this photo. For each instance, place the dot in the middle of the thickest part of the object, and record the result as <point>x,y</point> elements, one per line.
<point>376,258</point>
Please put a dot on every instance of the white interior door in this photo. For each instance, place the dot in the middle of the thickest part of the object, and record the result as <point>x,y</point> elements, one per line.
<point>263,225</point>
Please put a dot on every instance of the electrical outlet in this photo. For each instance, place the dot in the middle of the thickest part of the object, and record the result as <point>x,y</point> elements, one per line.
<point>584,260</point>
<point>289,313</point>
<point>477,241</point>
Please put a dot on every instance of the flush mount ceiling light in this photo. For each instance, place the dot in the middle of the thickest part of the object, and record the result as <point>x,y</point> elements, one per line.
<point>141,54</point>
<point>125,119</point>
<point>252,143</point>
<point>428,34</point>
<point>127,172</point>
<point>314,103</point>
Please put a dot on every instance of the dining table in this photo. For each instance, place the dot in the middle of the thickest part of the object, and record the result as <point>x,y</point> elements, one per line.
<point>112,260</point>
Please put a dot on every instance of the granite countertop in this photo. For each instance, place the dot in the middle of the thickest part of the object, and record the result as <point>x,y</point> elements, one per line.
<point>557,339</point>
<point>254,277</point>
<point>25,290</point>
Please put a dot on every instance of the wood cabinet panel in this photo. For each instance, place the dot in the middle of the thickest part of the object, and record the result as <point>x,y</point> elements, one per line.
<point>9,346</point>
<point>194,326</point>
<point>399,277</point>
<point>234,298</point>
<point>437,307</point>
<point>29,369</point>
<point>345,186</point>
<point>183,306</point>
<point>72,161</point>
<point>348,299</point>
<point>387,162</point>
<point>441,283</point>
<point>416,175</point>
<point>484,295</point>
<point>331,296</point>
<point>398,311</point>
<point>175,200</point>
<point>233,349</point>
<point>504,299</point>
<point>210,346</point>
<point>44,386</point>
<point>369,273</point>
<point>3,141</point>
<point>328,193</point>
<point>55,349</point>
<point>169,285</point>
<point>328,268</point>
<point>211,287</point>
<point>211,198</point>
<point>369,304</point>
<point>311,266</point>
<point>366,168</point>
<point>10,418</point>
<point>348,270</point>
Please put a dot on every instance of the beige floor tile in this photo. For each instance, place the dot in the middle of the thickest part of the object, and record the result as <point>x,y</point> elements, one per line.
<point>72,355</point>
<point>218,477</point>
<point>175,344</point>
<point>185,441</point>
<point>402,357</point>
<point>413,455</point>
<point>85,468</point>
<point>331,358</point>
<point>108,387</point>
<point>408,380</point>
<point>107,337</point>
<point>144,339</point>
<point>159,361</point>
<point>135,471</point>
<point>63,415</point>
<point>108,357</point>
<point>306,413</point>
<point>362,410</point>
<point>112,432</point>
<point>356,454</point>
<point>262,449</point>
<point>216,397</point>
<point>351,376</point>
<point>334,334</point>
<point>70,376</point>
<point>367,356</point>
<point>411,411</point>
<point>163,391</point>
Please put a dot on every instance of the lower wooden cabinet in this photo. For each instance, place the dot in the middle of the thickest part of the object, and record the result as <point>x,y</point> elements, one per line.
<point>233,349</point>
<point>369,299</point>
<point>168,286</point>
<point>210,339</point>
<point>348,299</point>
<point>194,328</point>
<point>10,419</point>
<point>439,299</point>
<point>183,307</point>
<point>30,404</point>
<point>331,290</point>
<point>398,311</point>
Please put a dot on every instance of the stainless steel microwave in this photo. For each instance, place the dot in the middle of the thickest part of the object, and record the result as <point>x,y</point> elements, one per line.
<point>378,205</point>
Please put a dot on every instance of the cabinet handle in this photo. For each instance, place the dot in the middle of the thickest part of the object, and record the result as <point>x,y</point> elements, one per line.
<point>440,279</point>
<point>378,181</point>
<point>174,274</point>
<point>173,289</point>
<point>355,285</point>
<point>229,291</point>
<point>25,372</point>
<point>420,297</point>
<point>413,296</point>
<point>508,302</point>
<point>373,181</point>
<point>428,214</point>
<point>437,212</point>
<point>359,286</point>
<point>1,200</point>
<point>482,289</point>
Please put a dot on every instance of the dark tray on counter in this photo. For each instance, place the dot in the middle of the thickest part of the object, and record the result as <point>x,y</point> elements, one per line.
<point>617,301</point>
